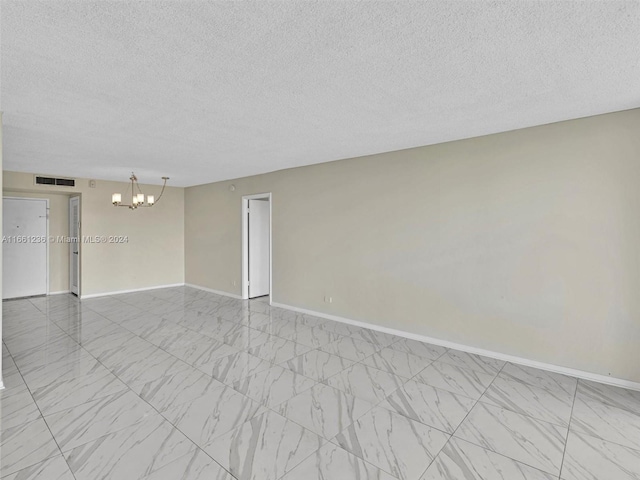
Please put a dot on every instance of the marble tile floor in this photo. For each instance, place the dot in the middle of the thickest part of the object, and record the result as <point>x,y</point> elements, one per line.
<point>182,384</point>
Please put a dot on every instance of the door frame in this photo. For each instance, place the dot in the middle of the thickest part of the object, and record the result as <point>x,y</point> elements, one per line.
<point>46,200</point>
<point>244,287</point>
<point>79,197</point>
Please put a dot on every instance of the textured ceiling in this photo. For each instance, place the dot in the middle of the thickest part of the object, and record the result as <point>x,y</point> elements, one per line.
<point>206,91</point>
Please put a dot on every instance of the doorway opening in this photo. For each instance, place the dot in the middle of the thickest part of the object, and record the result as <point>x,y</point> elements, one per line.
<point>74,245</point>
<point>256,247</point>
<point>42,244</point>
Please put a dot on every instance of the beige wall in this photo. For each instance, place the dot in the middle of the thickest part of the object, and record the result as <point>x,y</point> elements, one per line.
<point>524,243</point>
<point>58,226</point>
<point>154,254</point>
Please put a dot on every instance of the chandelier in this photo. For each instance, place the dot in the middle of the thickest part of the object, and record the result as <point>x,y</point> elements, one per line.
<point>137,197</point>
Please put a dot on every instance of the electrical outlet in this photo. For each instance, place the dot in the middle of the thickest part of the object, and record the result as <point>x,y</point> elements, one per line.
<point>328,299</point>
<point>233,282</point>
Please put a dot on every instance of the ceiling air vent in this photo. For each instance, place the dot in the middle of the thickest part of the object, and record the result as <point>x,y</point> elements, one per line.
<point>61,182</point>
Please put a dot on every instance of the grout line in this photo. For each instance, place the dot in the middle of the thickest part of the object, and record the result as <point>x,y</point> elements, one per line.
<point>317,383</point>
<point>322,326</point>
<point>130,389</point>
<point>163,418</point>
<point>446,350</point>
<point>223,384</point>
<point>42,418</point>
<point>488,449</point>
<point>451,435</point>
<point>232,303</point>
<point>566,440</point>
<point>374,405</point>
<point>150,405</point>
<point>478,401</point>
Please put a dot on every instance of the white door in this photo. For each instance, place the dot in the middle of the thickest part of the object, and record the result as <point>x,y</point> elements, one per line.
<point>24,247</point>
<point>259,248</point>
<point>74,246</point>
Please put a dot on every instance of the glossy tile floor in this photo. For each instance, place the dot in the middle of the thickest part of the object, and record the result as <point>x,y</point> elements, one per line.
<point>181,384</point>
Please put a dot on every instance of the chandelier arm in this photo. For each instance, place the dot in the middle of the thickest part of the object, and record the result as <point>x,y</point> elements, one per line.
<point>162,191</point>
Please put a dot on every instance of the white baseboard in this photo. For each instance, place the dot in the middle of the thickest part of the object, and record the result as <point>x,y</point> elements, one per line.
<point>211,290</point>
<point>61,292</point>
<point>118,292</point>
<point>594,377</point>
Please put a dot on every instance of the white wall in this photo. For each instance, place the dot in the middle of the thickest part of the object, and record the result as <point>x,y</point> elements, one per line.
<point>524,243</point>
<point>58,226</point>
